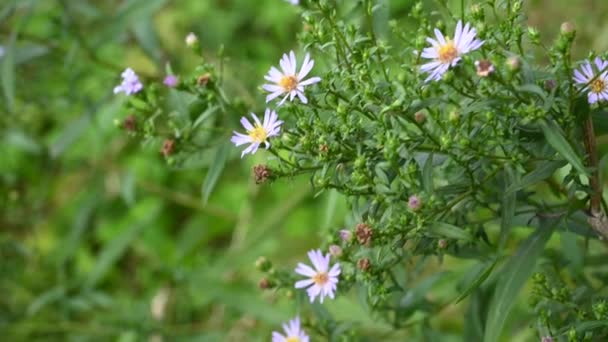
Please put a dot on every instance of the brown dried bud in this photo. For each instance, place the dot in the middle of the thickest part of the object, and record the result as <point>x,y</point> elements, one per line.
<point>261,173</point>
<point>363,264</point>
<point>130,123</point>
<point>203,79</point>
<point>484,68</point>
<point>335,251</point>
<point>550,84</point>
<point>168,147</point>
<point>265,284</point>
<point>323,148</point>
<point>420,117</point>
<point>442,244</point>
<point>364,234</point>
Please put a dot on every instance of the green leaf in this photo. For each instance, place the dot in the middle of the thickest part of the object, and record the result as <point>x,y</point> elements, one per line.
<point>147,38</point>
<point>215,171</point>
<point>513,277</point>
<point>481,275</point>
<point>7,73</point>
<point>555,138</point>
<point>508,208</point>
<point>449,231</point>
<point>139,218</point>
<point>427,174</point>
<point>541,172</point>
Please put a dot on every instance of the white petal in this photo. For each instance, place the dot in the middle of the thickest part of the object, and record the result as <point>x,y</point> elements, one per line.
<point>304,283</point>
<point>310,81</point>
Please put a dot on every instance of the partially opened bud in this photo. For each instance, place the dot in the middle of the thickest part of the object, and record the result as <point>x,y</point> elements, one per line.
<point>191,40</point>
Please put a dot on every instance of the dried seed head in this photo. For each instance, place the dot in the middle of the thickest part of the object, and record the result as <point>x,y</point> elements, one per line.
<point>168,147</point>
<point>420,117</point>
<point>364,233</point>
<point>261,173</point>
<point>484,68</point>
<point>203,79</point>
<point>363,264</point>
<point>442,244</point>
<point>130,123</point>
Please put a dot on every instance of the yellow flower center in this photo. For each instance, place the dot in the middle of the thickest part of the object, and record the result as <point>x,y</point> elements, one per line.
<point>293,339</point>
<point>258,134</point>
<point>598,86</point>
<point>321,278</point>
<point>288,83</point>
<point>447,52</point>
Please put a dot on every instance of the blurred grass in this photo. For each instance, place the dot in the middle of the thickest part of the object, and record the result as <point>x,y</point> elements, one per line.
<point>94,225</point>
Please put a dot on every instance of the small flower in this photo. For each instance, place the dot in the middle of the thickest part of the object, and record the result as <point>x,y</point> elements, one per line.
<point>484,68</point>
<point>259,132</point>
<point>293,332</point>
<point>170,81</point>
<point>345,235</point>
<point>414,203</point>
<point>293,2</point>
<point>323,279</point>
<point>287,81</point>
<point>364,234</point>
<point>598,88</point>
<point>446,52</point>
<point>191,39</point>
<point>130,83</point>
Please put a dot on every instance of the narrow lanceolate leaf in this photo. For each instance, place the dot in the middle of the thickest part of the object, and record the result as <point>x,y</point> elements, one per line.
<point>427,174</point>
<point>508,208</point>
<point>7,76</point>
<point>483,274</point>
<point>513,277</point>
<point>447,230</point>
<point>541,172</point>
<point>215,171</point>
<point>553,134</point>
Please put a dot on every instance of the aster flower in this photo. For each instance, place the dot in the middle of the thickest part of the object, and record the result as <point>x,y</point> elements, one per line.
<point>288,82</point>
<point>446,52</point>
<point>293,2</point>
<point>257,133</point>
<point>293,332</point>
<point>170,81</point>
<point>598,88</point>
<point>322,280</point>
<point>130,83</point>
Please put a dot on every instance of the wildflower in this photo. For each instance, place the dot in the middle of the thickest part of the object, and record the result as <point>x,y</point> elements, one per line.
<point>130,83</point>
<point>484,68</point>
<point>345,235</point>
<point>287,81</point>
<point>364,234</point>
<point>259,132</point>
<point>293,2</point>
<point>414,203</point>
<point>170,81</point>
<point>322,278</point>
<point>191,39</point>
<point>293,333</point>
<point>446,52</point>
<point>598,88</point>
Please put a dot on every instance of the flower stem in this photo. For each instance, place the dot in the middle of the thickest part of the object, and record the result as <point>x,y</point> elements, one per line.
<point>597,219</point>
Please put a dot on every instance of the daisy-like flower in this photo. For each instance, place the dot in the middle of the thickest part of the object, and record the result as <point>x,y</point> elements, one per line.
<point>288,82</point>
<point>293,2</point>
<point>293,332</point>
<point>446,52</point>
<point>130,83</point>
<point>259,132</point>
<point>598,88</point>
<point>322,280</point>
<point>171,81</point>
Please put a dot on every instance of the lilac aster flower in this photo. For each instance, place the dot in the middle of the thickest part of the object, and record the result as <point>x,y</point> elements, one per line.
<point>257,133</point>
<point>170,81</point>
<point>293,332</point>
<point>293,2</point>
<point>322,280</point>
<point>288,82</point>
<point>598,88</point>
<point>130,83</point>
<point>446,52</point>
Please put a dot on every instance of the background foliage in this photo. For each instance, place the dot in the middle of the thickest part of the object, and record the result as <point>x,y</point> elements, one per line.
<point>95,229</point>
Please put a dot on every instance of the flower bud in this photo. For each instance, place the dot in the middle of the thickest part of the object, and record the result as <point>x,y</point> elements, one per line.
<point>265,284</point>
<point>484,68</point>
<point>203,79</point>
<point>191,40</point>
<point>414,203</point>
<point>335,251</point>
<point>533,34</point>
<point>170,81</point>
<point>547,339</point>
<point>345,235</point>
<point>159,302</point>
<point>130,123</point>
<point>363,264</point>
<point>454,116</point>
<point>261,173</point>
<point>263,264</point>
<point>567,29</point>
<point>364,233</point>
<point>168,147</point>
<point>442,244</point>
<point>420,117</point>
<point>514,63</point>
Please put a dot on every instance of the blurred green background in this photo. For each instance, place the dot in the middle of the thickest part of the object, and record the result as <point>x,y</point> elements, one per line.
<point>101,240</point>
